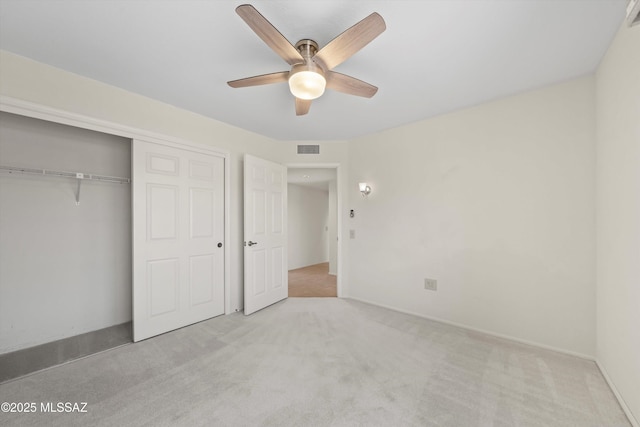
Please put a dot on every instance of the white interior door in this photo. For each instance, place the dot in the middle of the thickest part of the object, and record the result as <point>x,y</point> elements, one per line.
<point>265,233</point>
<point>178,234</point>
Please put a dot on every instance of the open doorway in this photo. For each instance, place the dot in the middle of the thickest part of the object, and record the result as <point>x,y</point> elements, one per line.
<point>313,232</point>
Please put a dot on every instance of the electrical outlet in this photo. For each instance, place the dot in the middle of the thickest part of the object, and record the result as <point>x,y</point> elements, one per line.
<point>431,284</point>
<point>352,234</point>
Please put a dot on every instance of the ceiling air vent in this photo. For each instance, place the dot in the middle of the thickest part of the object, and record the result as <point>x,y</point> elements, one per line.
<point>308,149</point>
<point>633,13</point>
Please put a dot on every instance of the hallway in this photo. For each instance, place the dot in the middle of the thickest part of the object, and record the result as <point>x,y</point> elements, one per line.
<point>312,281</point>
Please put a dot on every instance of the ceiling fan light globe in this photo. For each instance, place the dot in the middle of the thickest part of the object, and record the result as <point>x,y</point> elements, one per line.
<point>306,84</point>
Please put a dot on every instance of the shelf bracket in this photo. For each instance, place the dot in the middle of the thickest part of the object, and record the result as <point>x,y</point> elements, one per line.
<point>79,178</point>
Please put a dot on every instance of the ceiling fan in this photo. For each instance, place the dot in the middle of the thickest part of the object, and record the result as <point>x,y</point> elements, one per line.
<point>310,66</point>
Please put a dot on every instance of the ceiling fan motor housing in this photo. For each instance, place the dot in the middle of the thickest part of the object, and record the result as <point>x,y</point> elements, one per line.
<point>307,49</point>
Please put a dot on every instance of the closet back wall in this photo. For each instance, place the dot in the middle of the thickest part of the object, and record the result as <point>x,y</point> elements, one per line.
<point>64,269</point>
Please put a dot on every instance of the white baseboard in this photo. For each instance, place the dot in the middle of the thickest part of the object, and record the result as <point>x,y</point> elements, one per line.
<point>483,331</point>
<point>627,411</point>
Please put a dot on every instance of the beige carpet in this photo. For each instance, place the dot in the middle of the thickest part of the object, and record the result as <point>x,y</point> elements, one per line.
<point>312,281</point>
<point>321,362</point>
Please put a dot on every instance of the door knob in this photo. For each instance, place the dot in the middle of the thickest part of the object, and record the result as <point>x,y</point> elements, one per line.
<point>252,243</point>
<point>219,245</point>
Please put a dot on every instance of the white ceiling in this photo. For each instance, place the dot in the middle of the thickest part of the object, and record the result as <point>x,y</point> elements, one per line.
<point>435,56</point>
<point>311,177</point>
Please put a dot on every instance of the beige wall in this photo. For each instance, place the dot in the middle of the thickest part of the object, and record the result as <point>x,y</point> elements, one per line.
<point>497,203</point>
<point>618,213</point>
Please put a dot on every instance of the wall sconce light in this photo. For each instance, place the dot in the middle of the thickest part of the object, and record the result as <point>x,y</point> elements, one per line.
<point>364,189</point>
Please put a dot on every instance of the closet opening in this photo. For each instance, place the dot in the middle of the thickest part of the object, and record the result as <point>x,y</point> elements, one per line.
<point>65,247</point>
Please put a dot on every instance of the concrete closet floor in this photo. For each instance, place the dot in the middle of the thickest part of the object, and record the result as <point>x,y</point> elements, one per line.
<point>321,362</point>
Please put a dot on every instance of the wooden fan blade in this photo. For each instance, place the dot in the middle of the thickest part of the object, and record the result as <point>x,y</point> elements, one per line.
<point>302,106</point>
<point>263,79</point>
<point>351,85</point>
<point>350,41</point>
<point>269,34</point>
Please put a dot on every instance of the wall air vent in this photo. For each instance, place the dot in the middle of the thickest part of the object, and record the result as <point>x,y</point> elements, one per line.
<point>308,149</point>
<point>633,13</point>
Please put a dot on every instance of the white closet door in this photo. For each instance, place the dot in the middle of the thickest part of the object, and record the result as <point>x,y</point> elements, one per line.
<point>265,233</point>
<point>178,238</point>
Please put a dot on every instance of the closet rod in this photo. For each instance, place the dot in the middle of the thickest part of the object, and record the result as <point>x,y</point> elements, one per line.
<point>75,175</point>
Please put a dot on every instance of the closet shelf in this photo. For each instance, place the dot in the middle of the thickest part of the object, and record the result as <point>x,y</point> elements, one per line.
<point>80,176</point>
<point>76,175</point>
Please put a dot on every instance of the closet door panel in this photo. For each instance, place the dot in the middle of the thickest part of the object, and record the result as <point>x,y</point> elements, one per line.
<point>178,238</point>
